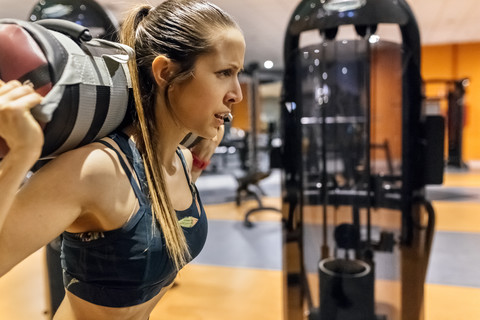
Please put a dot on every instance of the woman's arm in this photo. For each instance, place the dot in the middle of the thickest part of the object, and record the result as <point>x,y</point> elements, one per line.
<point>32,214</point>
<point>68,189</point>
<point>204,151</point>
<point>22,134</point>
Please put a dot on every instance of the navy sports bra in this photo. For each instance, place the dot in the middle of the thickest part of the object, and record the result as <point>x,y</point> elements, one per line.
<point>129,265</point>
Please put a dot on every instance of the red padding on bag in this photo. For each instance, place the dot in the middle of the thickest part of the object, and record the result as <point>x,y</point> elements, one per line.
<point>19,54</point>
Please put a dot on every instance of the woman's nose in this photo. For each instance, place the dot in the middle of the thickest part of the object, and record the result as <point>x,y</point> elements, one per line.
<point>235,95</point>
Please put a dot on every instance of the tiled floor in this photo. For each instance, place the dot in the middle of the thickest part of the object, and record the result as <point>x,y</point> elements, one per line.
<point>238,275</point>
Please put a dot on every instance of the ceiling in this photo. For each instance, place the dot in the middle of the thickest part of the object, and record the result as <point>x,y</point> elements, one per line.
<point>264,21</point>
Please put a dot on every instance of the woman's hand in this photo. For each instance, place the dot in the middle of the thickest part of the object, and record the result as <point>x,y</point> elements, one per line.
<point>203,151</point>
<point>23,136</point>
<point>18,128</point>
<point>205,148</point>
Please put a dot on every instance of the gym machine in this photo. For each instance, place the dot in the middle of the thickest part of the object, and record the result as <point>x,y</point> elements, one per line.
<point>249,182</point>
<point>358,151</point>
<point>455,98</point>
<point>100,22</point>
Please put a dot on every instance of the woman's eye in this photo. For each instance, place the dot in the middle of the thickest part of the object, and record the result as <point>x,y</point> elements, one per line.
<point>225,73</point>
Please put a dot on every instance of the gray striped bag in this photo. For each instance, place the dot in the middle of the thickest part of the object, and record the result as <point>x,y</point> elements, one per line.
<point>85,81</point>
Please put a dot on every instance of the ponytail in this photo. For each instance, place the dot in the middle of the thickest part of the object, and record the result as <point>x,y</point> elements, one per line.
<point>182,30</point>
<point>144,103</point>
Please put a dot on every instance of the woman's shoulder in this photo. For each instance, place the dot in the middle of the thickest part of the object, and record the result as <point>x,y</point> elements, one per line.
<point>87,165</point>
<point>92,172</point>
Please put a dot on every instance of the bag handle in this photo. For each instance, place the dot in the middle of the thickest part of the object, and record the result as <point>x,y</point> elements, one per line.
<point>75,31</point>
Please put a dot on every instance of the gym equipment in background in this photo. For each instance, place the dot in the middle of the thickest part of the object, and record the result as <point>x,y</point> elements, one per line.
<point>357,153</point>
<point>248,182</point>
<point>455,99</point>
<point>88,13</point>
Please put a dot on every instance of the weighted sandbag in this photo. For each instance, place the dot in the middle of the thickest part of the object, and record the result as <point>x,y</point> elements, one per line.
<point>85,82</point>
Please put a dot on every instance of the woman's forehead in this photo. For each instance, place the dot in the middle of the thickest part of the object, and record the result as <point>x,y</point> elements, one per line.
<point>228,50</point>
<point>229,41</point>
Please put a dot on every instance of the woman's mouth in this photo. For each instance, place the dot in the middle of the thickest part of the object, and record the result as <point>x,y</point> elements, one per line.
<point>227,117</point>
<point>219,118</point>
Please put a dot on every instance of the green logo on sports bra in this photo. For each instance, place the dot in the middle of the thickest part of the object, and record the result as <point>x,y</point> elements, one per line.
<point>188,222</point>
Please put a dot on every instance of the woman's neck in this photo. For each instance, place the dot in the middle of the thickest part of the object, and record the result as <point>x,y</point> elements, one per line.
<point>166,144</point>
<point>169,136</point>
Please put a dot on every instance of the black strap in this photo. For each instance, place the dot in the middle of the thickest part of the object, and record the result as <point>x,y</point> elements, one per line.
<point>185,169</point>
<point>130,150</point>
<point>136,189</point>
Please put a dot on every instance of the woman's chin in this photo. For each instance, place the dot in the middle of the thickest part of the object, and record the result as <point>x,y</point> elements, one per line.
<point>212,133</point>
<point>207,134</point>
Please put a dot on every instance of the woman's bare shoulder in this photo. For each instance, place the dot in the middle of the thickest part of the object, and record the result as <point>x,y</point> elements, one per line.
<point>93,177</point>
<point>84,170</point>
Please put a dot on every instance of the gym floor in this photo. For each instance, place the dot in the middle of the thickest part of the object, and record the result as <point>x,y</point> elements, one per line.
<point>238,274</point>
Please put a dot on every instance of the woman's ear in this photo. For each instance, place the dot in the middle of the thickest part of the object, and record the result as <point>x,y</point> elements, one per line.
<point>162,68</point>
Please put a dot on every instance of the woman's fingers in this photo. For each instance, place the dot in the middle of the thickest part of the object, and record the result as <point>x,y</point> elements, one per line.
<point>220,132</point>
<point>10,85</point>
<point>27,101</point>
<point>13,91</point>
<point>17,125</point>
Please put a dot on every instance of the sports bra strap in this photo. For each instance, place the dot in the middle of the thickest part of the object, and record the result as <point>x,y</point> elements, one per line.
<point>136,189</point>
<point>185,169</point>
<point>130,150</point>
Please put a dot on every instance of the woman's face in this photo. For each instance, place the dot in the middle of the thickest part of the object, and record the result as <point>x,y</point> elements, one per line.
<point>201,103</point>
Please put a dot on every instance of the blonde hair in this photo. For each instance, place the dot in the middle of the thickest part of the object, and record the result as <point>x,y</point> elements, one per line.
<point>182,30</point>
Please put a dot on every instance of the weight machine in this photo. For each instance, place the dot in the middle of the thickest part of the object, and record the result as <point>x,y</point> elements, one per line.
<point>455,98</point>
<point>357,153</point>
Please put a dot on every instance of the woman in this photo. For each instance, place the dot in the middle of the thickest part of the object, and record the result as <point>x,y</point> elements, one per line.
<point>126,205</point>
